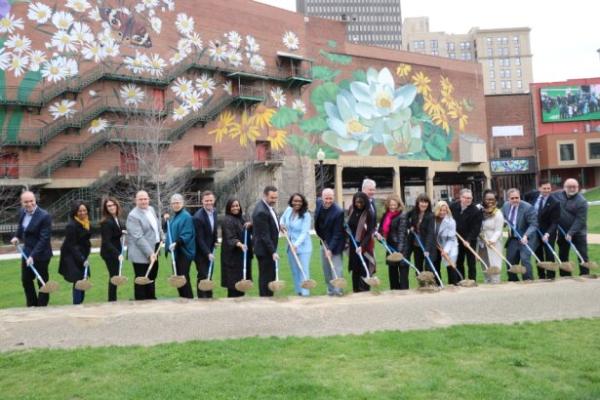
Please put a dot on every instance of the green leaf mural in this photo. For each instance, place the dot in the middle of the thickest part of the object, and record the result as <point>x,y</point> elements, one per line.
<point>284,117</point>
<point>314,125</point>
<point>336,58</point>
<point>29,82</point>
<point>322,94</point>
<point>324,73</point>
<point>437,147</point>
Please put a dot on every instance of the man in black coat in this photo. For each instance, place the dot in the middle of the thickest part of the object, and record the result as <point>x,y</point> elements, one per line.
<point>468,219</point>
<point>34,230</point>
<point>547,209</point>
<point>205,222</point>
<point>265,224</point>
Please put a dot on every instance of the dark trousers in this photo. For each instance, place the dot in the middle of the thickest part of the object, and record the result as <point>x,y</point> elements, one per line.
<point>183,268</point>
<point>27,277</point>
<point>202,266</point>
<point>544,254</point>
<point>398,273</point>
<point>463,253</point>
<point>438,267</point>
<point>78,295</point>
<point>266,274</point>
<point>146,292</point>
<point>580,242</point>
<point>234,293</point>
<point>112,264</point>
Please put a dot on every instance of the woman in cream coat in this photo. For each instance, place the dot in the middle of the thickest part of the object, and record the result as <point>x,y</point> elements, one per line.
<point>491,233</point>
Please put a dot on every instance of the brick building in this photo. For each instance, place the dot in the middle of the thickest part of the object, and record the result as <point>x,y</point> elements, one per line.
<point>512,142</point>
<point>185,96</point>
<point>567,122</point>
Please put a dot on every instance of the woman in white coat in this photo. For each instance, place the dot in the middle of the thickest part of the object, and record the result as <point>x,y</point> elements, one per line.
<point>491,234</point>
<point>445,233</point>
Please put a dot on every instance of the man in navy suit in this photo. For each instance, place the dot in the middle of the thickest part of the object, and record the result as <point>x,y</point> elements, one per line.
<point>521,216</point>
<point>329,225</point>
<point>265,238</point>
<point>35,229</point>
<point>547,210</point>
<point>205,222</point>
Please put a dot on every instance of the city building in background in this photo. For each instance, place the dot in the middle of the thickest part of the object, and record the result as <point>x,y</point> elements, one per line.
<point>504,53</point>
<point>567,123</point>
<point>369,22</point>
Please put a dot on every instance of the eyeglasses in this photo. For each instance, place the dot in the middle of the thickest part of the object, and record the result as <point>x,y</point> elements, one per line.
<point>515,198</point>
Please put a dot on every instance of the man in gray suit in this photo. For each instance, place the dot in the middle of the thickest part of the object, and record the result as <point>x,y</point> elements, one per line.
<point>520,216</point>
<point>144,236</point>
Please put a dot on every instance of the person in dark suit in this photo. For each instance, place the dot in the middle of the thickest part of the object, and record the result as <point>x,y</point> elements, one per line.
<point>547,209</point>
<point>265,224</point>
<point>205,222</point>
<point>329,225</point>
<point>181,241</point>
<point>76,247</point>
<point>34,230</point>
<point>420,220</point>
<point>368,187</point>
<point>520,215</point>
<point>232,248</point>
<point>111,232</point>
<point>468,219</point>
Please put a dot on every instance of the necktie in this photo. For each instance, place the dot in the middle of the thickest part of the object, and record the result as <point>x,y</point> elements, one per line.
<point>539,203</point>
<point>512,216</point>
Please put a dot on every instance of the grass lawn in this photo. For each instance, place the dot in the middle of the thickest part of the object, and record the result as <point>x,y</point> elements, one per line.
<point>550,360</point>
<point>12,294</point>
<point>593,211</point>
<point>593,195</point>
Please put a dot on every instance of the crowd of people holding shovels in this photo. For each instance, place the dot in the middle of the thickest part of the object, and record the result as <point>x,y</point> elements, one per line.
<point>423,239</point>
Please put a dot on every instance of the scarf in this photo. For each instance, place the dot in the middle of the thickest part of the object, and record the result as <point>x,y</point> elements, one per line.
<point>83,222</point>
<point>489,212</point>
<point>387,222</point>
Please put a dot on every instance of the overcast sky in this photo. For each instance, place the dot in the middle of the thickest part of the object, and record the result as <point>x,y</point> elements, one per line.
<point>565,35</point>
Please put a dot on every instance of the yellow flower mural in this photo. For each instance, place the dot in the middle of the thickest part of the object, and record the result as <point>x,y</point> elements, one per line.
<point>224,124</point>
<point>277,137</point>
<point>245,130</point>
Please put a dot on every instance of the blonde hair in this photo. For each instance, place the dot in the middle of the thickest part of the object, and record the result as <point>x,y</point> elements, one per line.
<point>397,199</point>
<point>438,208</point>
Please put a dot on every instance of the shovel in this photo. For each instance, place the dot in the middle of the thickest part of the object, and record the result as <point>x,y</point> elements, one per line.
<point>84,284</point>
<point>206,285</point>
<point>588,264</point>
<point>336,282</point>
<point>369,280</point>
<point>394,256</point>
<point>462,282</point>
<point>245,284</point>
<point>553,266</point>
<point>144,280</point>
<point>514,269</point>
<point>426,278</point>
<point>47,287</point>
<point>516,232</point>
<point>416,235</point>
<point>174,280</point>
<point>488,270</point>
<point>306,283</point>
<point>119,280</point>
<point>276,285</point>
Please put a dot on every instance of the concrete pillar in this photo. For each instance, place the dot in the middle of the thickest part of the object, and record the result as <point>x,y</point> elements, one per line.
<point>429,182</point>
<point>397,187</point>
<point>339,186</point>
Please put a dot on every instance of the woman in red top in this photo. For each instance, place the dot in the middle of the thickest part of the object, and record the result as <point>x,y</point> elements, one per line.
<point>392,228</point>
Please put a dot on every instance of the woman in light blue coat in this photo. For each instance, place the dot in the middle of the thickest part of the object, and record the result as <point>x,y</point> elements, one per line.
<point>296,221</point>
<point>445,233</point>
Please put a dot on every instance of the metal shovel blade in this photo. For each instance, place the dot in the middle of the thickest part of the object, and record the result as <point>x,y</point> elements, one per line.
<point>547,265</point>
<point>467,283</point>
<point>206,285</point>
<point>143,280</point>
<point>426,277</point>
<point>395,257</point>
<point>276,286</point>
<point>339,283</point>
<point>517,269</point>
<point>118,280</point>
<point>83,285</point>
<point>493,271</point>
<point>589,265</point>
<point>372,281</point>
<point>244,285</point>
<point>177,281</point>
<point>308,284</point>
<point>49,287</point>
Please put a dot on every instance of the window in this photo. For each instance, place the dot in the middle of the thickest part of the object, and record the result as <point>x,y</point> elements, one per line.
<point>451,55</point>
<point>435,52</point>
<point>9,166</point>
<point>491,63</point>
<point>489,41</point>
<point>493,85</point>
<point>594,150</point>
<point>567,152</point>
<point>517,50</point>
<point>433,44</point>
<point>505,153</point>
<point>466,56</point>
<point>492,74</point>
<point>504,51</point>
<point>518,72</point>
<point>516,40</point>
<point>490,51</point>
<point>450,46</point>
<point>518,61</point>
<point>520,84</point>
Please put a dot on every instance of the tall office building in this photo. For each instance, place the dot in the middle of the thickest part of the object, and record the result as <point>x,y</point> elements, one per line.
<point>370,22</point>
<point>505,53</point>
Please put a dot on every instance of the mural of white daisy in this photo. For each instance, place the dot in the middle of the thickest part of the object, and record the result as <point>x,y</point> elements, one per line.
<point>4,59</point>
<point>18,43</point>
<point>81,32</point>
<point>180,112</point>
<point>228,88</point>
<point>205,85</point>
<point>18,63</point>
<point>63,108</point>
<point>278,97</point>
<point>234,38</point>
<point>170,4</point>
<point>257,63</point>
<point>182,87</point>
<point>299,106</point>
<point>70,66</point>
<point>36,58</point>
<point>290,40</point>
<point>93,51</point>
<point>184,24</point>
<point>78,5</point>
<point>136,64</point>
<point>235,59</point>
<point>252,46</point>
<point>98,125</point>
<point>194,101</point>
<point>216,51</point>
<point>63,41</point>
<point>62,20</point>
<point>156,24</point>
<point>176,58</point>
<point>195,40</point>
<point>184,46</point>
<point>131,94</point>
<point>94,14</point>
<point>9,23</point>
<point>39,12</point>
<point>53,70</point>
<point>111,48</point>
<point>156,65</point>
<point>150,4</point>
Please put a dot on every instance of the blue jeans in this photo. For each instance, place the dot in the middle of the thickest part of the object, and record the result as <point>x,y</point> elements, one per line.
<point>296,274</point>
<point>515,253</point>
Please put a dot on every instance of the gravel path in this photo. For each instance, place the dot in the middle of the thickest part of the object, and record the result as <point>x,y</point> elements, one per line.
<point>149,323</point>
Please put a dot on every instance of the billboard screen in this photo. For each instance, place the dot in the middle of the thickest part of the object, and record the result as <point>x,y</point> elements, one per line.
<point>570,103</point>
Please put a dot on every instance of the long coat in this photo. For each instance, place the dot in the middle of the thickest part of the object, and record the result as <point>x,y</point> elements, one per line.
<point>36,237</point>
<point>232,257</point>
<point>74,251</point>
<point>183,233</point>
<point>111,238</point>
